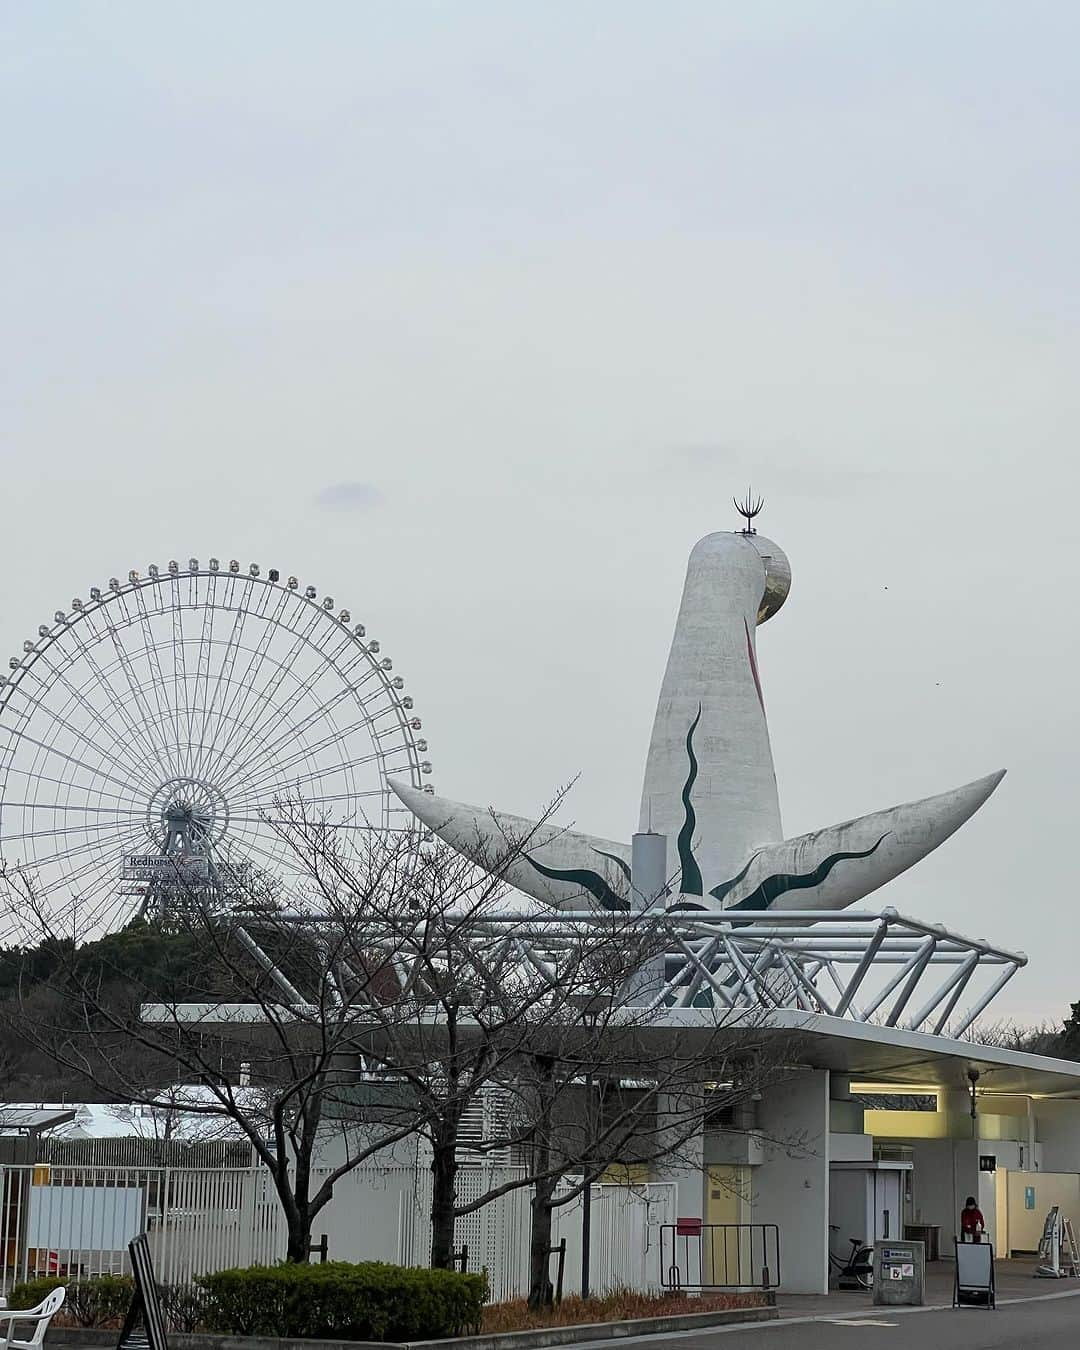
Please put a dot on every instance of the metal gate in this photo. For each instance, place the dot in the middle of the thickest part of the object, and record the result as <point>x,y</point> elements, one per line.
<point>696,1255</point>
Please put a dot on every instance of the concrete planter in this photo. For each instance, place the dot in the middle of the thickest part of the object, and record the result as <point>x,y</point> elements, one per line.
<point>76,1338</point>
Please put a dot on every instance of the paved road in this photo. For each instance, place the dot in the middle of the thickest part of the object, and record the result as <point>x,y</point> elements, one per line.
<point>1035,1324</point>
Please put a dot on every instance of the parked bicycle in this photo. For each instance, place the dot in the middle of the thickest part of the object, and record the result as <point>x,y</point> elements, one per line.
<point>857,1271</point>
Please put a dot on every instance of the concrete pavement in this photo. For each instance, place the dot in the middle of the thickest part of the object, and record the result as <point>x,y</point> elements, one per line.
<point>1048,1322</point>
<point>1031,1315</point>
<point>1015,1279</point>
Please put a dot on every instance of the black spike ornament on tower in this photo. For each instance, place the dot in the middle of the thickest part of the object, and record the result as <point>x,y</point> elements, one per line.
<point>748,508</point>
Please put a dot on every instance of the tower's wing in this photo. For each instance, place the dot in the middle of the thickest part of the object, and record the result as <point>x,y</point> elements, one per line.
<point>562,868</point>
<point>826,869</point>
<point>834,867</point>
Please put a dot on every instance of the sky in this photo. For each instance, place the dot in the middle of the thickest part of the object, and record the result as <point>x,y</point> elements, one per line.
<point>476,316</point>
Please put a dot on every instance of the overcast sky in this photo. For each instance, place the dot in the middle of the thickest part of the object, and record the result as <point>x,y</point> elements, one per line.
<point>476,315</point>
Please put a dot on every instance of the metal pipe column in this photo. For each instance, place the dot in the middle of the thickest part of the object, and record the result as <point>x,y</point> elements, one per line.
<point>648,882</point>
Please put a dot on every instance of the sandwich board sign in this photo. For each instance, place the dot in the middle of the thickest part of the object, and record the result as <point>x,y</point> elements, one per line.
<point>974,1285</point>
<point>144,1325</point>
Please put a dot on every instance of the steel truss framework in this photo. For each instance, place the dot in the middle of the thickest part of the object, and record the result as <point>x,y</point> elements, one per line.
<point>885,968</point>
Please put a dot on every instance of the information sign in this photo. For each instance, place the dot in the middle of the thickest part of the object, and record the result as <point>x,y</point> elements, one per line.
<point>898,1272</point>
<point>163,867</point>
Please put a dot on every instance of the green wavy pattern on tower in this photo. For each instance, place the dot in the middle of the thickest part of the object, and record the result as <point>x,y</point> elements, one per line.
<point>772,888</point>
<point>691,872</point>
<point>589,881</point>
<point>725,886</point>
<point>621,864</point>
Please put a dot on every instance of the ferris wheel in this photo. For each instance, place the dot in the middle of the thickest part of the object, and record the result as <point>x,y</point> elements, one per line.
<point>158,725</point>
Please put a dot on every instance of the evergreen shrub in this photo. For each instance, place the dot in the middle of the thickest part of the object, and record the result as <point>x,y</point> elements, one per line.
<point>370,1301</point>
<point>92,1302</point>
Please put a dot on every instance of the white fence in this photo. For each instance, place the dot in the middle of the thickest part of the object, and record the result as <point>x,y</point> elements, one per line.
<point>79,1220</point>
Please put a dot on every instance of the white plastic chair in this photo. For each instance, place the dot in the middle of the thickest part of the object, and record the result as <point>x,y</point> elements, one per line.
<point>40,1316</point>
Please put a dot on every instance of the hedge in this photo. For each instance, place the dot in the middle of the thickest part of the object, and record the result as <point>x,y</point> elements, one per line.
<point>93,1302</point>
<point>370,1301</point>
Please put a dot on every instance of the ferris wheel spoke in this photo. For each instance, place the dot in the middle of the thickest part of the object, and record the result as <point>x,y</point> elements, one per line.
<point>245,847</point>
<point>254,792</point>
<point>37,762</point>
<point>312,803</point>
<point>82,737</point>
<point>390,714</point>
<point>71,882</point>
<point>139,699</point>
<point>206,651</point>
<point>166,715</point>
<point>75,762</point>
<point>234,768</point>
<point>321,712</point>
<point>250,836</point>
<point>136,733</point>
<point>58,782</point>
<point>56,832</point>
<point>365,794</point>
<point>104,865</point>
<point>264,694</point>
<point>67,809</point>
<point>266,702</point>
<point>95,874</point>
<point>328,667</point>
<point>299,756</point>
<point>116,744</point>
<point>52,859</point>
<point>251,746</point>
<point>190,693</point>
<point>201,654</point>
<point>284,822</point>
<point>181,699</point>
<point>224,675</point>
<point>364,827</point>
<point>233,713</point>
<point>103,676</point>
<point>270,717</point>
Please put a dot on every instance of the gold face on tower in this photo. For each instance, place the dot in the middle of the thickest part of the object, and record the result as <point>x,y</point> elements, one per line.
<point>777,575</point>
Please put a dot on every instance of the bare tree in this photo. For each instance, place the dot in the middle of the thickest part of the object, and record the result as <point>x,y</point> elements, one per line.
<point>123,1037</point>
<point>464,997</point>
<point>392,994</point>
<point>332,1005</point>
<point>614,1093</point>
<point>537,1008</point>
<point>1039,1039</point>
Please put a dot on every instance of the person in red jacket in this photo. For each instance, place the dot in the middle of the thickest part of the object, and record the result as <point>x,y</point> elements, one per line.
<point>972,1223</point>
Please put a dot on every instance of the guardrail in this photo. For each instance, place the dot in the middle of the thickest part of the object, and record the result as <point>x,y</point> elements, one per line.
<point>696,1255</point>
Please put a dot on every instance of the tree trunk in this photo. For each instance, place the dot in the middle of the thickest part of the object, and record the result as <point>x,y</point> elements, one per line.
<point>298,1249</point>
<point>444,1168</point>
<point>295,1203</point>
<point>541,1291</point>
